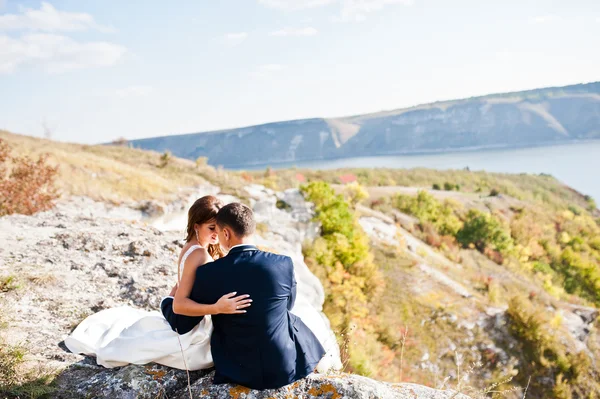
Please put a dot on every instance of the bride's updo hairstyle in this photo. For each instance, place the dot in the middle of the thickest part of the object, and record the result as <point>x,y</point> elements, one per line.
<point>204,210</point>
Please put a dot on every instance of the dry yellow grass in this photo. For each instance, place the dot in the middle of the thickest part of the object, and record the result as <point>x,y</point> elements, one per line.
<point>111,173</point>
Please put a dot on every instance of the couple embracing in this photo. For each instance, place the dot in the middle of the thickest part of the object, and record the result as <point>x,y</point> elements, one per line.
<point>231,311</point>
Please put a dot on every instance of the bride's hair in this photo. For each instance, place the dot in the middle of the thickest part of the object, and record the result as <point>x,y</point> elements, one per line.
<point>203,211</point>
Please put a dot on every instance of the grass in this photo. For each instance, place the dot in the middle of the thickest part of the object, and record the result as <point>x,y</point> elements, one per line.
<point>42,279</point>
<point>555,231</point>
<point>543,189</point>
<point>17,381</point>
<point>8,283</point>
<point>117,174</point>
<point>17,378</point>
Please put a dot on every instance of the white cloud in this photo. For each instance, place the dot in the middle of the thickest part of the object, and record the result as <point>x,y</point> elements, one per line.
<point>310,31</point>
<point>350,10</point>
<point>295,4</point>
<point>134,91</point>
<point>542,19</point>
<point>357,10</point>
<point>56,53</point>
<point>236,38</point>
<point>49,19</point>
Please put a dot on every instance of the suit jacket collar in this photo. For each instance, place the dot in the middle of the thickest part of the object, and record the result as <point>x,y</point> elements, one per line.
<point>241,248</point>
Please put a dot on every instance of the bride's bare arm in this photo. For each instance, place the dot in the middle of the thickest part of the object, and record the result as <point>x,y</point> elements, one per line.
<point>183,305</point>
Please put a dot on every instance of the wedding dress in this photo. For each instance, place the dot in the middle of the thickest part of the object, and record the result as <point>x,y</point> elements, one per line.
<point>125,335</point>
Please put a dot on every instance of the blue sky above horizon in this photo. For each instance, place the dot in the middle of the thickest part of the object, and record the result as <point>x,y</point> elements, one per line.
<point>92,71</point>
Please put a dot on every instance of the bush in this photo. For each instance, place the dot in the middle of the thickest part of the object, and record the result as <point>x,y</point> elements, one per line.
<point>451,187</point>
<point>436,186</point>
<point>201,161</point>
<point>165,158</point>
<point>494,192</point>
<point>355,193</point>
<point>342,260</point>
<point>26,186</point>
<point>581,275</point>
<point>591,203</point>
<point>484,231</point>
<point>544,348</point>
<point>429,210</point>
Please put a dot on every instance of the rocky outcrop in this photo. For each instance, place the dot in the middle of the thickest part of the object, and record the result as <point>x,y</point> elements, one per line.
<point>536,117</point>
<point>150,382</point>
<point>319,386</point>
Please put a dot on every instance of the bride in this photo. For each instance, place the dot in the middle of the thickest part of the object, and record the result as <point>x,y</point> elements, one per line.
<point>125,335</point>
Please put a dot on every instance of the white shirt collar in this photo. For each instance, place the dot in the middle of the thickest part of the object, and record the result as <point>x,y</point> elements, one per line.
<point>241,245</point>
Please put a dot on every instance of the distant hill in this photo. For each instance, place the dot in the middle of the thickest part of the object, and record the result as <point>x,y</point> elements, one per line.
<point>520,119</point>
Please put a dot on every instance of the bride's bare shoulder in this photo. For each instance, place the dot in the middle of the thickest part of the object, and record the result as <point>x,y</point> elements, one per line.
<point>198,257</point>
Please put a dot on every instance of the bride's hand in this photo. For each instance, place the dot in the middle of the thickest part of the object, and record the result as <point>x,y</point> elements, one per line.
<point>231,304</point>
<point>174,290</point>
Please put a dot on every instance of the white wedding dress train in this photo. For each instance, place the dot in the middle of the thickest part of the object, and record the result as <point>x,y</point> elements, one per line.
<point>125,335</point>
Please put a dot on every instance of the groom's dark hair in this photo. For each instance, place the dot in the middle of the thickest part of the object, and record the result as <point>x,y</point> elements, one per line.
<point>238,217</point>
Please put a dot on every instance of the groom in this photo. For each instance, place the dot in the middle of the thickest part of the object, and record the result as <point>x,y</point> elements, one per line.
<point>267,347</point>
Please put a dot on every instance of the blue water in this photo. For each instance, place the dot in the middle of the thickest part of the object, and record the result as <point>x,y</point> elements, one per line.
<point>577,165</point>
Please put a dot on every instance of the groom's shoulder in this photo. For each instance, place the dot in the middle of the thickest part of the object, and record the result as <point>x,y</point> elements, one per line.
<point>273,257</point>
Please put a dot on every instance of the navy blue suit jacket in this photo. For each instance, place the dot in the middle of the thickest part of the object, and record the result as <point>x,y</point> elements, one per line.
<point>267,347</point>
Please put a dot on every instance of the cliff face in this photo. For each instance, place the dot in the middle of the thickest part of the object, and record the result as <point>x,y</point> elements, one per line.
<point>536,117</point>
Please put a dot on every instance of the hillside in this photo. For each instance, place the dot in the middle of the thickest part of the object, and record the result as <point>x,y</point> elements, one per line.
<point>515,298</point>
<point>118,174</point>
<point>519,119</point>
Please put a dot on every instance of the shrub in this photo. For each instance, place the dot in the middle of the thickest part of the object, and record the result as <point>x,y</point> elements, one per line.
<point>575,210</point>
<point>8,283</point>
<point>201,161</point>
<point>342,260</point>
<point>26,186</point>
<point>355,193</point>
<point>484,230</point>
<point>590,203</point>
<point>451,187</point>
<point>494,192</point>
<point>436,186</point>
<point>544,348</point>
<point>165,158</point>
<point>281,204</point>
<point>429,210</point>
<point>581,276</point>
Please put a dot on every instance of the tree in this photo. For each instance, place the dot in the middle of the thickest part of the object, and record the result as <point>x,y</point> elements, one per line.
<point>484,230</point>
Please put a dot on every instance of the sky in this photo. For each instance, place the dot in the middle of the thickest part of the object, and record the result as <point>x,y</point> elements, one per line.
<point>93,71</point>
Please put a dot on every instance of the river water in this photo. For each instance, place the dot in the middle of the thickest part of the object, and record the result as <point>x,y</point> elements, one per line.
<point>577,165</point>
